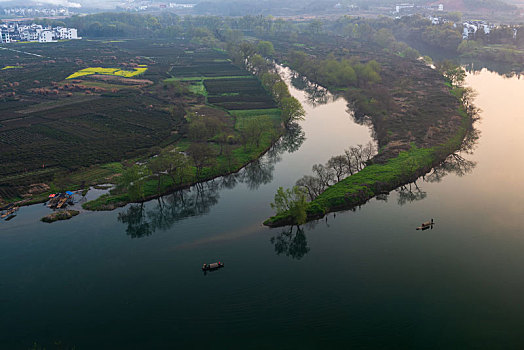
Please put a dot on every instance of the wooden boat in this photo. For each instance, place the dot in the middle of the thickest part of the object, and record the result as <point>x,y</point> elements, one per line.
<point>61,202</point>
<point>212,266</point>
<point>9,213</point>
<point>426,225</point>
<point>53,201</point>
<point>12,216</point>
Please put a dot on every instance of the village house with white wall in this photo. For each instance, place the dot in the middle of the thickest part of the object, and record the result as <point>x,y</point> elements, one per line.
<point>14,32</point>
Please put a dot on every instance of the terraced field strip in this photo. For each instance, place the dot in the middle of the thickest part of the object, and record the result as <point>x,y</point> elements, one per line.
<point>242,115</point>
<point>55,104</point>
<point>206,78</point>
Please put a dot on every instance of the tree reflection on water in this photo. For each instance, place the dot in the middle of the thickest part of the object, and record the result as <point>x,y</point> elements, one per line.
<point>291,242</point>
<point>456,164</point>
<point>144,219</point>
<point>136,220</point>
<point>501,68</point>
<point>316,95</point>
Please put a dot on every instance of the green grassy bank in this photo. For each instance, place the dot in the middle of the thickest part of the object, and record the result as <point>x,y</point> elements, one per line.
<point>375,179</point>
<point>241,157</point>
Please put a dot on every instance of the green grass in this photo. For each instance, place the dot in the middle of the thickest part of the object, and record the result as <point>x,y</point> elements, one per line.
<point>243,114</point>
<point>197,87</point>
<point>240,120</point>
<point>273,112</point>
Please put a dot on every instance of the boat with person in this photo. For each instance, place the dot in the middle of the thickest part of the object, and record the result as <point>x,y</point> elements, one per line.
<point>212,266</point>
<point>426,225</point>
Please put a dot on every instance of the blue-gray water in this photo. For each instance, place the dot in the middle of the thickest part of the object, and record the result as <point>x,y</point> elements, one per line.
<point>363,279</point>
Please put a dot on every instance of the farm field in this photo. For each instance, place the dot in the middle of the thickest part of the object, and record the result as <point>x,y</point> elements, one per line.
<point>81,104</point>
<point>108,71</point>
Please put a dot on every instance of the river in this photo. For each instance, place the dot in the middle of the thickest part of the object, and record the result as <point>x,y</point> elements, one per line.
<point>131,278</point>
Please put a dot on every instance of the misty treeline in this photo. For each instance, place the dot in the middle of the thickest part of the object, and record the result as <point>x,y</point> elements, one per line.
<point>336,169</point>
<point>389,33</point>
<point>212,29</point>
<point>294,7</point>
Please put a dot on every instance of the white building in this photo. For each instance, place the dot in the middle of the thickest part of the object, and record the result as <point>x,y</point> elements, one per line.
<point>4,37</point>
<point>46,36</point>
<point>401,7</point>
<point>36,32</point>
<point>66,33</point>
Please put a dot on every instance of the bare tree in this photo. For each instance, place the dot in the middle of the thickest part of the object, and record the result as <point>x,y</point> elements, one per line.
<point>312,186</point>
<point>368,152</point>
<point>351,161</point>
<point>339,166</point>
<point>325,175</point>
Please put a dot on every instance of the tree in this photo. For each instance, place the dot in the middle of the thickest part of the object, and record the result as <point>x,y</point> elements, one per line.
<point>339,166</point>
<point>291,201</point>
<point>269,79</point>
<point>257,63</point>
<point>292,110</point>
<point>279,90</point>
<point>311,185</point>
<point>384,37</point>
<point>324,174</point>
<point>265,48</point>
<point>253,128</point>
<point>177,166</point>
<point>202,156</point>
<point>454,73</point>
<point>368,152</point>
<point>198,130</point>
<point>157,166</point>
<point>133,179</point>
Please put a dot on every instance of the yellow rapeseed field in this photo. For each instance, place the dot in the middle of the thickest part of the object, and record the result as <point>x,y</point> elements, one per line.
<point>108,71</point>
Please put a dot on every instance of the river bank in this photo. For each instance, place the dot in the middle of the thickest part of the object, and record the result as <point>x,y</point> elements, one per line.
<point>112,201</point>
<point>418,121</point>
<point>377,179</point>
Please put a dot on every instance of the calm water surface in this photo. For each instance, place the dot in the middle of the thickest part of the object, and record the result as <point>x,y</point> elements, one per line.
<point>131,278</point>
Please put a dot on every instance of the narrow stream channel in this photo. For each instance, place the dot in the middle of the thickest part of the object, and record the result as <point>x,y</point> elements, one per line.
<point>363,278</point>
